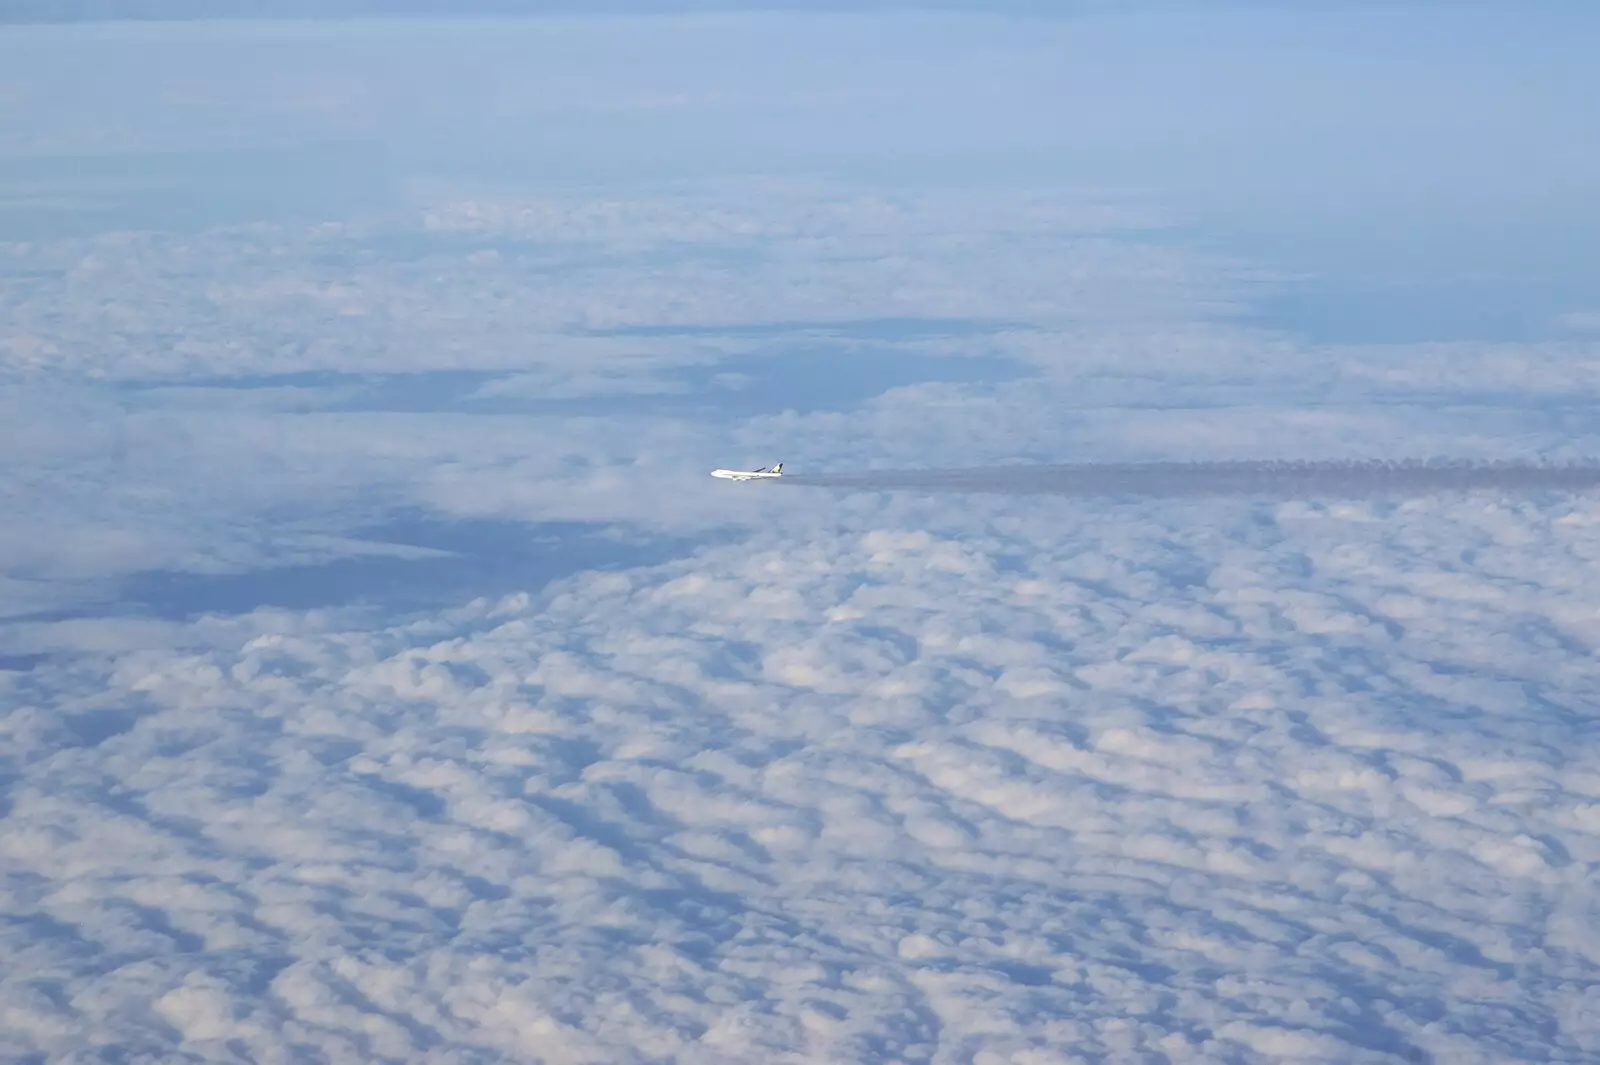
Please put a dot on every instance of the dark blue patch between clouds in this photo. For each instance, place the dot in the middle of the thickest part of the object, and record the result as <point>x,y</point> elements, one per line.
<point>1495,309</point>
<point>830,367</point>
<point>821,366</point>
<point>486,558</point>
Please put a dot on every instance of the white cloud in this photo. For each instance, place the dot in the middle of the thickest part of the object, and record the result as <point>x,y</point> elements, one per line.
<point>1092,802</point>
<point>854,778</point>
<point>1580,321</point>
<point>504,283</point>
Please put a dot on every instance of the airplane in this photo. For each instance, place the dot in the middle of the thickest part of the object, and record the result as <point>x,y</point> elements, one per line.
<point>762,474</point>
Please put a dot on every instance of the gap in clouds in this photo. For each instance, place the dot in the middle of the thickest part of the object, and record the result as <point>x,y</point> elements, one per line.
<point>809,369</point>
<point>1483,308</point>
<point>463,559</point>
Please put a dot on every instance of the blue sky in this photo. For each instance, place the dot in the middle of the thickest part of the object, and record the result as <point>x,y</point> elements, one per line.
<point>1381,150</point>
<point>382,678</point>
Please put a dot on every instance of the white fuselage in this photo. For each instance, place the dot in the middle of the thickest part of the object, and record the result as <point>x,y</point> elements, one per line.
<point>745,475</point>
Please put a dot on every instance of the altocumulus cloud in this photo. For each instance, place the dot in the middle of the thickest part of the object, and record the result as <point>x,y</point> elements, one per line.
<point>1209,782</point>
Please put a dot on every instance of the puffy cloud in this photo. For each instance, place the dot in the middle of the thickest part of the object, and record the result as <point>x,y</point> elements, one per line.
<point>1217,782</point>
<point>765,775</point>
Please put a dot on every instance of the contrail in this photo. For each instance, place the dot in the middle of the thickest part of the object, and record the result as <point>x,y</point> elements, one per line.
<point>1261,479</point>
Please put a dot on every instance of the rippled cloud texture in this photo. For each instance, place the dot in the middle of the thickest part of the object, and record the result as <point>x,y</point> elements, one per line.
<point>1186,785</point>
<point>382,679</point>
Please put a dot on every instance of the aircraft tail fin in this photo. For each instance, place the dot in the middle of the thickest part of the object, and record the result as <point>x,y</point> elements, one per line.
<point>778,468</point>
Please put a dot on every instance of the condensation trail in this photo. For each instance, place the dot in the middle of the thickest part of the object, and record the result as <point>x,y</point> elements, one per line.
<point>1262,479</point>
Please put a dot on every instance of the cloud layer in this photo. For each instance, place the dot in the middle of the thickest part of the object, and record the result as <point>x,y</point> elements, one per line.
<point>1113,765</point>
<point>1207,784</point>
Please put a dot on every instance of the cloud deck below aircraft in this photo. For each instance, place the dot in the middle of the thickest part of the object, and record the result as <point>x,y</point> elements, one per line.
<point>1271,479</point>
<point>1189,788</point>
